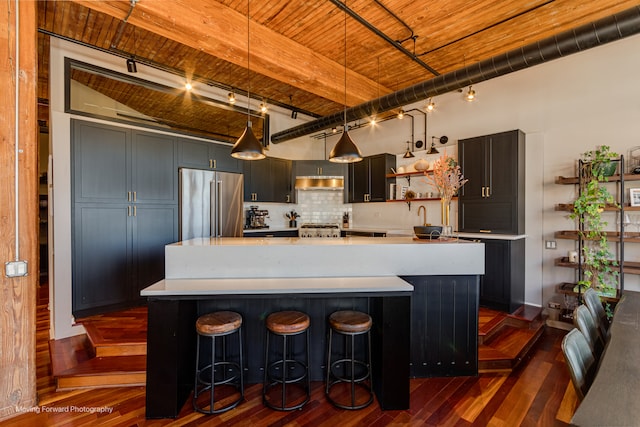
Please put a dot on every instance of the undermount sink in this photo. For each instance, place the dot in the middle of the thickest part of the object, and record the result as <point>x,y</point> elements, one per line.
<point>427,231</point>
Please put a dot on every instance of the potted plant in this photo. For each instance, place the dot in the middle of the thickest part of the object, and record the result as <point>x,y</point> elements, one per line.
<point>599,268</point>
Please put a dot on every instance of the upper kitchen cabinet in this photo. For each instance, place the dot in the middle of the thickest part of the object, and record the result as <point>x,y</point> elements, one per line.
<point>493,199</point>
<point>112,164</point>
<point>318,168</point>
<point>367,178</point>
<point>206,155</point>
<point>267,180</point>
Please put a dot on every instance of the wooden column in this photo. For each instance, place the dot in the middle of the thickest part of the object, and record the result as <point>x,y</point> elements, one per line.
<point>17,295</point>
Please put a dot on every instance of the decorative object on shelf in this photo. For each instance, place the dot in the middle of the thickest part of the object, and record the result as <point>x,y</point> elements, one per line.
<point>345,220</point>
<point>634,196</point>
<point>447,179</point>
<point>421,165</point>
<point>292,216</point>
<point>633,160</point>
<point>595,167</point>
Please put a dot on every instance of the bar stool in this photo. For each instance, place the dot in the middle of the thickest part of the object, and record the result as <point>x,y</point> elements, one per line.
<point>286,324</point>
<point>221,373</point>
<point>354,372</point>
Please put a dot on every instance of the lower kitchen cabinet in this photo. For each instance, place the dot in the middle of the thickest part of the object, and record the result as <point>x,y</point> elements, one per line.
<point>117,251</point>
<point>502,286</point>
<point>266,233</point>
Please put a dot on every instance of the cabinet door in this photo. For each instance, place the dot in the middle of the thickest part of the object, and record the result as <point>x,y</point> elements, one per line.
<point>502,155</point>
<point>101,257</point>
<point>280,173</point>
<point>101,163</point>
<point>494,290</point>
<point>154,227</point>
<point>379,166</point>
<point>154,168</point>
<point>221,159</point>
<point>193,154</point>
<point>358,181</point>
<point>472,159</point>
<point>257,180</point>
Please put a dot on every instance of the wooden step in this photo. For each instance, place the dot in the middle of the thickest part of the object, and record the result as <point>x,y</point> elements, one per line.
<point>74,366</point>
<point>505,339</point>
<point>122,333</point>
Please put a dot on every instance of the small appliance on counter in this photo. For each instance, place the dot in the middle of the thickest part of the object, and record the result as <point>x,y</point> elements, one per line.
<point>255,218</point>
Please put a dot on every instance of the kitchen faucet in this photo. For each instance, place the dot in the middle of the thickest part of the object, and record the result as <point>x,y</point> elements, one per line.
<point>424,215</point>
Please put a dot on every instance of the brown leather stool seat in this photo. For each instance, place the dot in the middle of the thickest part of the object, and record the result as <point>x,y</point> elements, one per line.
<point>287,370</point>
<point>218,375</point>
<point>350,370</point>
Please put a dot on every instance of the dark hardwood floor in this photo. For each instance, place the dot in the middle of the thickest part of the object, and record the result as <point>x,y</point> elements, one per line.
<point>537,393</point>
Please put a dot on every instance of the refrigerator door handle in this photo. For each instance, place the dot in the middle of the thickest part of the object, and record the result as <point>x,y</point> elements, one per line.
<point>219,209</point>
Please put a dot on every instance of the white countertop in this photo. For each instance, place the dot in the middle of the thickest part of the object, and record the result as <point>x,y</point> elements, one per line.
<point>290,285</point>
<point>237,257</point>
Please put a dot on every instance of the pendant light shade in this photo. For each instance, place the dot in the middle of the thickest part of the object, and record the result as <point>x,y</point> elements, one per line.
<point>345,151</point>
<point>247,147</point>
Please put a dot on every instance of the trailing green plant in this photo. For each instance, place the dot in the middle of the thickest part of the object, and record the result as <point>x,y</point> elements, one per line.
<point>599,272</point>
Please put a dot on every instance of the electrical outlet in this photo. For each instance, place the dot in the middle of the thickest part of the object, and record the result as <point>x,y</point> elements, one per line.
<point>550,244</point>
<point>15,268</point>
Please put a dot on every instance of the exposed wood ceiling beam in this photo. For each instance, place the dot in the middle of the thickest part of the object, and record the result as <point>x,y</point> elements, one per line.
<point>222,32</point>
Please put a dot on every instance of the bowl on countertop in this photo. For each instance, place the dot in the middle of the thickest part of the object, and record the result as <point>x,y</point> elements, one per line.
<point>427,231</point>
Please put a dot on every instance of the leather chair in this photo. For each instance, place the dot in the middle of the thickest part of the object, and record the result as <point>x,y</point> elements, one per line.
<point>592,301</point>
<point>582,365</point>
<point>583,320</point>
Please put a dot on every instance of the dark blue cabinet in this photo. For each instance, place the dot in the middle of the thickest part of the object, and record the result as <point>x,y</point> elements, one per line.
<point>207,155</point>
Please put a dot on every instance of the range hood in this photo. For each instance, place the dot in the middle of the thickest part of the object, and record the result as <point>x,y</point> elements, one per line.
<point>319,183</point>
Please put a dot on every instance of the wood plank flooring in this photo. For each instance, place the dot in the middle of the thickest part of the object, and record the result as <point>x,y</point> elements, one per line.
<point>537,393</point>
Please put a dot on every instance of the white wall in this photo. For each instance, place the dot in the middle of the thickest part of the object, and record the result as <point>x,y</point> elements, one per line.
<point>565,107</point>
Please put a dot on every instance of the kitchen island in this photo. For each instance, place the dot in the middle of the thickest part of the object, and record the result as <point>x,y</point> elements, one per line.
<point>423,298</point>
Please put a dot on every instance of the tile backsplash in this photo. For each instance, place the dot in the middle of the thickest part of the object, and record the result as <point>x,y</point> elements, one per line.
<point>314,206</point>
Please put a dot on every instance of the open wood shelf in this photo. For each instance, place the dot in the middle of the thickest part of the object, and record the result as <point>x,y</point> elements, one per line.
<point>419,200</point>
<point>614,178</point>
<point>408,174</point>
<point>628,267</point>
<point>629,236</point>
<point>568,207</point>
<point>567,289</point>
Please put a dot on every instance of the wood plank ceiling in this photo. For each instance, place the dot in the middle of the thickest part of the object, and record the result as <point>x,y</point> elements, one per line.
<point>297,47</point>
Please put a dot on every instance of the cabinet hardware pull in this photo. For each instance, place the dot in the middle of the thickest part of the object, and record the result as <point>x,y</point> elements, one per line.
<point>128,210</point>
<point>484,231</point>
<point>483,196</point>
<point>135,211</point>
<point>210,164</point>
<point>135,196</point>
<point>215,164</point>
<point>320,170</point>
<point>128,196</point>
<point>288,198</point>
<point>488,193</point>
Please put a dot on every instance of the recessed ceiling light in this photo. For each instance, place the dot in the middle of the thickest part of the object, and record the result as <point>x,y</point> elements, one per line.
<point>188,86</point>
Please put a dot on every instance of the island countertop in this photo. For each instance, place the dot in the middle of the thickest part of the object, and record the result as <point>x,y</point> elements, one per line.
<point>236,257</point>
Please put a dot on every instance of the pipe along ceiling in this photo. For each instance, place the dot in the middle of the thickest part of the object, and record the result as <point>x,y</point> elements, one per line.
<point>597,33</point>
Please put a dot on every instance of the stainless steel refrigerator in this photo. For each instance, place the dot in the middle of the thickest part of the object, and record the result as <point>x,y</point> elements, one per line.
<point>210,204</point>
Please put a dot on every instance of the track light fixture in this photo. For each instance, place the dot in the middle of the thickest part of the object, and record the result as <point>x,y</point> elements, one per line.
<point>470,96</point>
<point>232,98</point>
<point>131,66</point>
<point>372,120</point>
<point>401,114</point>
<point>430,106</point>
<point>334,130</point>
<point>294,114</point>
<point>263,107</point>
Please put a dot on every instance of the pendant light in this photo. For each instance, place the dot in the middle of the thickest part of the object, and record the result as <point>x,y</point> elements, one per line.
<point>345,151</point>
<point>247,147</point>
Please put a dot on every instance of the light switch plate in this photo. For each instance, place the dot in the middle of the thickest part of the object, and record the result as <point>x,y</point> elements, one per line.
<point>15,268</point>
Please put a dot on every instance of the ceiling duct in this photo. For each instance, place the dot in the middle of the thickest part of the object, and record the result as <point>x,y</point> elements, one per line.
<point>597,33</point>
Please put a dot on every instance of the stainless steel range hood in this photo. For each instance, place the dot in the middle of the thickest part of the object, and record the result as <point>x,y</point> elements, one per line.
<point>319,183</point>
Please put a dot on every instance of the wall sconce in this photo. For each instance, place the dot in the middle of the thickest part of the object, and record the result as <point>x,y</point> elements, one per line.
<point>433,149</point>
<point>430,106</point>
<point>232,98</point>
<point>408,154</point>
<point>470,96</point>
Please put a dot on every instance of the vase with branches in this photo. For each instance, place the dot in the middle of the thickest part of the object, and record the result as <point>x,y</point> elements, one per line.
<point>447,179</point>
